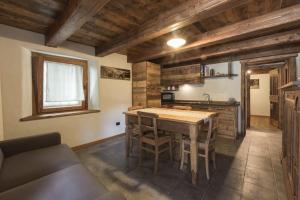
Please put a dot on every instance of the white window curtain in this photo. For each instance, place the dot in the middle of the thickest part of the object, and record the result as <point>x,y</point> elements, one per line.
<point>63,82</point>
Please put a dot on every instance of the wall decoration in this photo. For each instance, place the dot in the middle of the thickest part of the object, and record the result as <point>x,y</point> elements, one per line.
<point>254,83</point>
<point>115,73</point>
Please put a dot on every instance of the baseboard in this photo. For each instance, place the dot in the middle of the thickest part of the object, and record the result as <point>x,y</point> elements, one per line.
<point>86,145</point>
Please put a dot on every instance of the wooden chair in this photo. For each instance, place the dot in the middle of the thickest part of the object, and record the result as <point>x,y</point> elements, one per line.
<point>135,133</point>
<point>151,140</point>
<point>135,108</point>
<point>177,138</point>
<point>207,145</point>
<point>182,107</point>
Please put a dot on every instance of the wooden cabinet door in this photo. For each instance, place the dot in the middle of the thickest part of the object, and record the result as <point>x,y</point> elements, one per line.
<point>189,74</point>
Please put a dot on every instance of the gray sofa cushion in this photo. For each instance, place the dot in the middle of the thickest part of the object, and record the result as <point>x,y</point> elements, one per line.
<point>24,167</point>
<point>72,183</point>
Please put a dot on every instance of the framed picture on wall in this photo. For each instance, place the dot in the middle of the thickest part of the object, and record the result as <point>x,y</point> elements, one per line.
<point>254,83</point>
<point>115,73</point>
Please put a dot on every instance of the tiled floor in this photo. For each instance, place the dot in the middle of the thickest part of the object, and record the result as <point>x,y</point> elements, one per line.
<point>247,169</point>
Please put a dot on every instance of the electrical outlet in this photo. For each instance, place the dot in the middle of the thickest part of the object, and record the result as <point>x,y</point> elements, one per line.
<point>118,123</point>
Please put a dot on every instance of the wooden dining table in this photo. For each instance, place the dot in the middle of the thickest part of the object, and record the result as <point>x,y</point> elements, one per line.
<point>186,122</point>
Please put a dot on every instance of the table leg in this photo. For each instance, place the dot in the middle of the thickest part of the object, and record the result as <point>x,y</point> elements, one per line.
<point>194,152</point>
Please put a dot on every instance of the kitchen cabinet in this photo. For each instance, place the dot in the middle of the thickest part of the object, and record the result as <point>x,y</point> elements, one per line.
<point>227,119</point>
<point>189,74</point>
<point>146,84</point>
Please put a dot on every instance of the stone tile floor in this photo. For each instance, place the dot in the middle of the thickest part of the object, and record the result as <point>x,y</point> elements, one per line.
<point>247,169</point>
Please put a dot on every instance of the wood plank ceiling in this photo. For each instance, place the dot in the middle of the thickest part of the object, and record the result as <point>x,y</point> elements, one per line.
<point>140,28</point>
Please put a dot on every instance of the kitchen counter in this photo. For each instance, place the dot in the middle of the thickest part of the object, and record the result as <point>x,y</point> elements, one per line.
<point>204,103</point>
<point>227,119</point>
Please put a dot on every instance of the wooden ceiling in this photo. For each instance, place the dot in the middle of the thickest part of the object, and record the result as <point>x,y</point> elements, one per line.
<point>140,28</point>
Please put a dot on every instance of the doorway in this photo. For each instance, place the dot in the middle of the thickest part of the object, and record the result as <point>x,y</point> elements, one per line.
<point>264,104</point>
<point>283,74</point>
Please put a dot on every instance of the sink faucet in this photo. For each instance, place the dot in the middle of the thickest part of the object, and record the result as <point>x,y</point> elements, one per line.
<point>208,97</point>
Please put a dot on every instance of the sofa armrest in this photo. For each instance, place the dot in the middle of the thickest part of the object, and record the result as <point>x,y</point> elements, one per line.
<point>19,145</point>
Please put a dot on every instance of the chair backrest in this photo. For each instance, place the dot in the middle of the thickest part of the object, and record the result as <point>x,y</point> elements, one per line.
<point>212,130</point>
<point>135,108</point>
<point>182,107</point>
<point>147,122</point>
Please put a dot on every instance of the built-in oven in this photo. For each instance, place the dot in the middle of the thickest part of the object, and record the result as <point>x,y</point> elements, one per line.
<point>167,97</point>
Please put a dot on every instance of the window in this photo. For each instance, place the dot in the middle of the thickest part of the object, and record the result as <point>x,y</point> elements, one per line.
<point>59,84</point>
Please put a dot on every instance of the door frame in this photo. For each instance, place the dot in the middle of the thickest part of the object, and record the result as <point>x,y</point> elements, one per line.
<point>285,64</point>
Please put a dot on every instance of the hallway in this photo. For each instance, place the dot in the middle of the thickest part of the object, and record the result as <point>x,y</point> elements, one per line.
<point>262,123</point>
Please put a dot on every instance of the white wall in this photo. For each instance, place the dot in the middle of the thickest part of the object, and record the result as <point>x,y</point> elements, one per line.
<point>220,89</point>
<point>15,68</point>
<point>260,98</point>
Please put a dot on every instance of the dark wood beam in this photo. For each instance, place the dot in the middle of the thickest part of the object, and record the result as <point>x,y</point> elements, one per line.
<point>270,59</point>
<point>261,71</point>
<point>267,65</point>
<point>243,56</point>
<point>267,23</point>
<point>287,37</point>
<point>76,14</point>
<point>183,15</point>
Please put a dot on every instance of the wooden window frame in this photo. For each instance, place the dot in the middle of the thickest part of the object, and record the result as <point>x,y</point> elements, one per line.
<point>38,60</point>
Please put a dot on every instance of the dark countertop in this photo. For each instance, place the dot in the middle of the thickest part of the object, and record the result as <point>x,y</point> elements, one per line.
<point>202,103</point>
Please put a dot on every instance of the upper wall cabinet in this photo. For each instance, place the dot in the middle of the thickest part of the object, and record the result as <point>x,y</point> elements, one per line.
<point>146,84</point>
<point>181,75</point>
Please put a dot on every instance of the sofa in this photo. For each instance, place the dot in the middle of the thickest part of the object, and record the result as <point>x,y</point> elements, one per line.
<point>41,168</point>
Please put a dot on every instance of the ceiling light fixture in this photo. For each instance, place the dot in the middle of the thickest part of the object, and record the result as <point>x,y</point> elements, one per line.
<point>249,71</point>
<point>176,42</point>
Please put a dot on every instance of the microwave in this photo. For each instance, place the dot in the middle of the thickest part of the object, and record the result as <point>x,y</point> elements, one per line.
<point>167,97</point>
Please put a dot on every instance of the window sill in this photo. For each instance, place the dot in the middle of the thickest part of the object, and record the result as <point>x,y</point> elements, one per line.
<point>55,115</point>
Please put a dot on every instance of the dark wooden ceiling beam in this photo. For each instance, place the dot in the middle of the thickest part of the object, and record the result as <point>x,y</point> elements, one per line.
<point>75,15</point>
<point>287,37</point>
<point>183,15</point>
<point>270,59</point>
<point>243,56</point>
<point>267,65</point>
<point>270,22</point>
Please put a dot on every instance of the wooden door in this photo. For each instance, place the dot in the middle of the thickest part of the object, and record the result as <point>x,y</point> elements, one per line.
<point>274,97</point>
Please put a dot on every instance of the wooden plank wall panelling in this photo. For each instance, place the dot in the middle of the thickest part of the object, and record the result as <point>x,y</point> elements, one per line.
<point>181,75</point>
<point>227,121</point>
<point>139,84</point>
<point>146,84</point>
<point>153,85</point>
<point>243,98</point>
<point>290,143</point>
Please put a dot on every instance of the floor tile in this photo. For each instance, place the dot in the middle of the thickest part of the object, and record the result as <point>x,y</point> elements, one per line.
<point>247,169</point>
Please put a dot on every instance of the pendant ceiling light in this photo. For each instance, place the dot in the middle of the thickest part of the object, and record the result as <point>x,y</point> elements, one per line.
<point>176,42</point>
